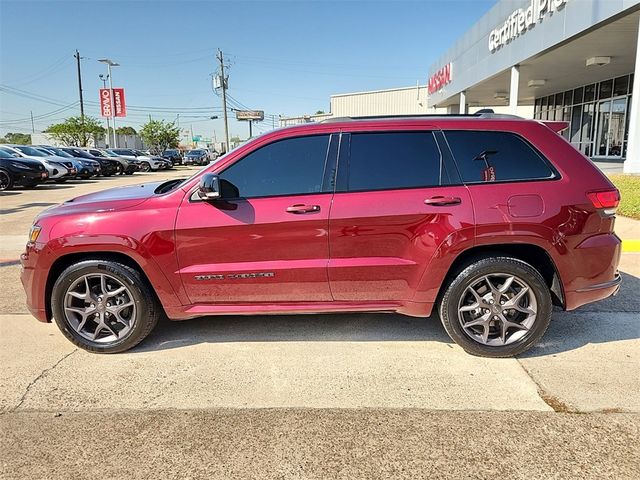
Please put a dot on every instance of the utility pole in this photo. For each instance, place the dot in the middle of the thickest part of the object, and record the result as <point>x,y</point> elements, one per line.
<point>77,57</point>
<point>33,128</point>
<point>224,100</point>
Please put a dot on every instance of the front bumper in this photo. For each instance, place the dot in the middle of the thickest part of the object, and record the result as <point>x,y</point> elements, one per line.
<point>33,275</point>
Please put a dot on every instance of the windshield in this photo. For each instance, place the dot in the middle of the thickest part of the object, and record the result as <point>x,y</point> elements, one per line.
<point>194,153</point>
<point>31,151</point>
<point>59,152</point>
<point>170,152</point>
<point>124,151</point>
<point>7,154</point>
<point>96,153</point>
<point>109,153</point>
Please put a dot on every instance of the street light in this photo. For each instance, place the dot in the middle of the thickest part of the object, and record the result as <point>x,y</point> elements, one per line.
<point>111,63</point>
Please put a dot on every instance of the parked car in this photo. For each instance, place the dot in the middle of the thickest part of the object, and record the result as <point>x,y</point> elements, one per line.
<point>196,157</point>
<point>173,155</point>
<point>57,171</point>
<point>164,163</point>
<point>17,170</point>
<point>108,167</point>
<point>86,168</point>
<point>487,220</point>
<point>127,166</point>
<point>67,160</point>
<point>147,163</point>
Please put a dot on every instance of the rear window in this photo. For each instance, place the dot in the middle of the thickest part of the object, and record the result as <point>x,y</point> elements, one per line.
<point>496,156</point>
<point>393,160</point>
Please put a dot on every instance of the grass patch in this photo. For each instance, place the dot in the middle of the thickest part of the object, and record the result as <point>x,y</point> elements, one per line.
<point>629,186</point>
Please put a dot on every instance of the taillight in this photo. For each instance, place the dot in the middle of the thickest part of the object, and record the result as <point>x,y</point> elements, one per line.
<point>605,199</point>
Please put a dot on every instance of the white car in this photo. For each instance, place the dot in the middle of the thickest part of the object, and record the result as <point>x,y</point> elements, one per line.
<point>56,169</point>
<point>147,163</point>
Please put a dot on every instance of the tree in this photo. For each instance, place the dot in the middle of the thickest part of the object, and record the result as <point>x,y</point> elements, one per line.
<point>320,112</point>
<point>17,138</point>
<point>126,131</point>
<point>76,131</point>
<point>159,135</point>
<point>235,139</point>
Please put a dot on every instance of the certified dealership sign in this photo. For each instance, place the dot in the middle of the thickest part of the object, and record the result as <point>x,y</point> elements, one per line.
<point>522,20</point>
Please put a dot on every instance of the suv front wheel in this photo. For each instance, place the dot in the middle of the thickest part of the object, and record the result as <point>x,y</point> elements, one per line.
<point>496,307</point>
<point>103,306</point>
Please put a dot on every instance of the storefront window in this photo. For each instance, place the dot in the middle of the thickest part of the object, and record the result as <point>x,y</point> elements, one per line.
<point>589,93</point>
<point>606,89</point>
<point>620,86</point>
<point>597,115</point>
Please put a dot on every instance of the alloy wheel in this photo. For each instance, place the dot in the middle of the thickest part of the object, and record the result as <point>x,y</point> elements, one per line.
<point>497,309</point>
<point>5,180</point>
<point>100,308</point>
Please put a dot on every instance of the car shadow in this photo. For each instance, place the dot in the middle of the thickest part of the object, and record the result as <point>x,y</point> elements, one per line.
<point>611,320</point>
<point>24,206</point>
<point>353,327</point>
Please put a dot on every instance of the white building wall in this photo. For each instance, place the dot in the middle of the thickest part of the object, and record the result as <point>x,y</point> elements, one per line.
<point>398,101</point>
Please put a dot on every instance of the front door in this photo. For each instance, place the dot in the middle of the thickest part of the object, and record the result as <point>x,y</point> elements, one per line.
<point>393,208</point>
<point>267,239</point>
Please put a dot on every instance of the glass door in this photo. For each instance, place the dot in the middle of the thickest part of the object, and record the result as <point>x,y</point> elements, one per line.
<point>611,118</point>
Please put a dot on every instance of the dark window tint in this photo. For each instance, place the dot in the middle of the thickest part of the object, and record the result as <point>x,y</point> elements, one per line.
<point>287,167</point>
<point>495,156</point>
<point>384,161</point>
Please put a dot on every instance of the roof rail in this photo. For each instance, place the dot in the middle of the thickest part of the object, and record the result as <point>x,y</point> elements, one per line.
<point>483,113</point>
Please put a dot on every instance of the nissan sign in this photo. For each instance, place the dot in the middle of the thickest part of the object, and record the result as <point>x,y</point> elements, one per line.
<point>439,79</point>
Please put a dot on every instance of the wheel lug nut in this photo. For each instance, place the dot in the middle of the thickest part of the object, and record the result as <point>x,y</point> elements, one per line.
<point>495,317</point>
<point>502,302</point>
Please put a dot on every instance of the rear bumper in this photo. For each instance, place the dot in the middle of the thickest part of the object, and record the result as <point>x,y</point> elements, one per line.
<point>593,293</point>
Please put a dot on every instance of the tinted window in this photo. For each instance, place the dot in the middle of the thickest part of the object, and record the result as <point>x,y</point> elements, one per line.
<point>287,167</point>
<point>495,156</point>
<point>384,161</point>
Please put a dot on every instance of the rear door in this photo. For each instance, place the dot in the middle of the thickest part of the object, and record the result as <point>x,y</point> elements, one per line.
<point>397,201</point>
<point>267,239</point>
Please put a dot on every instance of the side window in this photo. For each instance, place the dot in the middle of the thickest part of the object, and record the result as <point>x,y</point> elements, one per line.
<point>390,160</point>
<point>286,167</point>
<point>495,156</point>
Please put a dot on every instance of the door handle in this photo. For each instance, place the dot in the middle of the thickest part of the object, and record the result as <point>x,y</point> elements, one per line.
<point>441,201</point>
<point>301,208</point>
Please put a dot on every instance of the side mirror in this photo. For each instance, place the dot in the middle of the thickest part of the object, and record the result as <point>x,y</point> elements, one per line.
<point>209,187</point>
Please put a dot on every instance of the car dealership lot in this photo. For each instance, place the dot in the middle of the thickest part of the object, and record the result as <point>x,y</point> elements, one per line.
<point>314,395</point>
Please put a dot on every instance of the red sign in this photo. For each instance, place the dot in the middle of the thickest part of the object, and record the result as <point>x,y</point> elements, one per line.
<point>440,79</point>
<point>106,109</point>
<point>105,102</point>
<point>118,101</point>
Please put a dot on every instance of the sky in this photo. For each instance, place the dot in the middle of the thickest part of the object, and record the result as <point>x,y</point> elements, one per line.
<point>284,57</point>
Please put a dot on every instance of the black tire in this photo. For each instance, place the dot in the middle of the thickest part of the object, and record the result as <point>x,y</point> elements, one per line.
<point>6,180</point>
<point>147,307</point>
<point>145,167</point>
<point>60,180</point>
<point>128,173</point>
<point>473,272</point>
<point>30,184</point>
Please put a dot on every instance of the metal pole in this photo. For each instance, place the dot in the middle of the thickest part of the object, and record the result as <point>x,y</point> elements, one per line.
<point>113,108</point>
<point>33,128</point>
<point>77,55</point>
<point>250,129</point>
<point>107,140</point>
<point>224,100</point>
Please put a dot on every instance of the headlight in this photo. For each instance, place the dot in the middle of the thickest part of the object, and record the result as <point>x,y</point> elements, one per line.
<point>21,166</point>
<point>34,233</point>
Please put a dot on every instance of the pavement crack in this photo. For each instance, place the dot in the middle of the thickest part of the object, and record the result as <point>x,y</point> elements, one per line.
<point>554,402</point>
<point>42,374</point>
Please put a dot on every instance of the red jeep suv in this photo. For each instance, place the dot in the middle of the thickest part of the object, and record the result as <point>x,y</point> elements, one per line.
<point>488,220</point>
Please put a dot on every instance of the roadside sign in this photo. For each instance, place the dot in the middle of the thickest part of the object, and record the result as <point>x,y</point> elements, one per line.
<point>118,100</point>
<point>250,115</point>
<point>105,102</point>
<point>106,109</point>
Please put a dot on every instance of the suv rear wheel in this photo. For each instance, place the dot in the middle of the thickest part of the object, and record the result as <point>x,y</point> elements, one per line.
<point>496,307</point>
<point>103,306</point>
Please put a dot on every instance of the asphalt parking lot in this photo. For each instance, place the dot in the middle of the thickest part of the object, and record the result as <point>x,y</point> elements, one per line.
<point>314,396</point>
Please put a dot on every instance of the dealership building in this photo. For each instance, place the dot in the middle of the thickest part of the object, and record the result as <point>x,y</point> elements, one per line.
<point>576,61</point>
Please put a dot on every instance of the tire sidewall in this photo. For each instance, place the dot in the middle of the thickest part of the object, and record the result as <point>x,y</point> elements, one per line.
<point>132,281</point>
<point>475,271</point>
<point>10,177</point>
